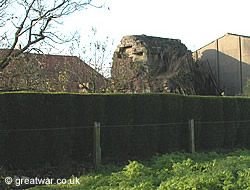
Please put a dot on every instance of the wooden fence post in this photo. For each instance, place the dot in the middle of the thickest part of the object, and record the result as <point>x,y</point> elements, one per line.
<point>192,137</point>
<point>97,144</point>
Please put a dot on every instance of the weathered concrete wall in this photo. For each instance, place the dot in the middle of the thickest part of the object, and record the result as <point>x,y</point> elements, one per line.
<point>229,57</point>
<point>146,64</point>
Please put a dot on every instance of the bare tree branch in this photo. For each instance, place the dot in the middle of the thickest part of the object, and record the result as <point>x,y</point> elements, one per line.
<point>3,5</point>
<point>36,24</point>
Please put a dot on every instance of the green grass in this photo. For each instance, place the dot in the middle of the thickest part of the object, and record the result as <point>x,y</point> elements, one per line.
<point>171,171</point>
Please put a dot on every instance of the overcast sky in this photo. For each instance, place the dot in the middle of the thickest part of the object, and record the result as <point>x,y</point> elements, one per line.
<point>195,22</point>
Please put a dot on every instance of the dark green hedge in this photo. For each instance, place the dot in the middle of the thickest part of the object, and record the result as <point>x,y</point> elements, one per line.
<point>122,117</point>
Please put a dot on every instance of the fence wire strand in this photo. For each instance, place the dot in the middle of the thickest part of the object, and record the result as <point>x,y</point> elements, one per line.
<point>221,122</point>
<point>124,125</point>
<point>46,129</point>
<point>143,125</point>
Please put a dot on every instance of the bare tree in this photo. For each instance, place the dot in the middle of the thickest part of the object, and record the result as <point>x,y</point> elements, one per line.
<point>33,24</point>
<point>97,54</point>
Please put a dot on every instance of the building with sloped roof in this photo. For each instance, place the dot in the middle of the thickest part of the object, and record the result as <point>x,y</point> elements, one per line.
<point>44,72</point>
<point>229,59</point>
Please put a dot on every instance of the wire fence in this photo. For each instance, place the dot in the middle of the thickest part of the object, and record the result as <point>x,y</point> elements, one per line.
<point>222,122</point>
<point>123,141</point>
<point>129,125</point>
